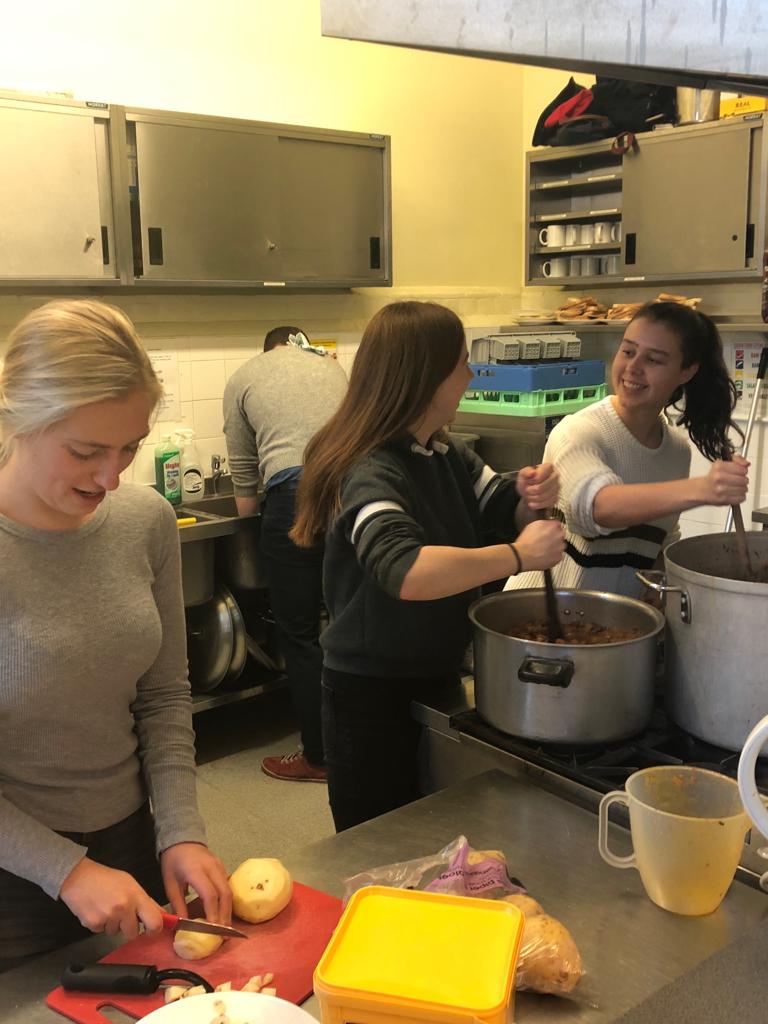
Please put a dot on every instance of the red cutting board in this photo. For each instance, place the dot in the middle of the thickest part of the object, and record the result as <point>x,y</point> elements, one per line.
<point>290,945</point>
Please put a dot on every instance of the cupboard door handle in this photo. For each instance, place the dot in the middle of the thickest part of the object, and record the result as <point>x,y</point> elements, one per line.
<point>375,252</point>
<point>630,248</point>
<point>155,242</point>
<point>104,244</point>
<point>749,242</point>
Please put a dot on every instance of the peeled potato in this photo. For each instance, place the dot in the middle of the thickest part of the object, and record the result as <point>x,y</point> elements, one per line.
<point>527,904</point>
<point>261,888</point>
<point>195,945</point>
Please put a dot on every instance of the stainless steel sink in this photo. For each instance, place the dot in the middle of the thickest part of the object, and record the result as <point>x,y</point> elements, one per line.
<point>214,504</point>
<point>221,544</point>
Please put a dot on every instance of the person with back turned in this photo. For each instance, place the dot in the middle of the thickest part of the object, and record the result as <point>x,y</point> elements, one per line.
<point>273,404</point>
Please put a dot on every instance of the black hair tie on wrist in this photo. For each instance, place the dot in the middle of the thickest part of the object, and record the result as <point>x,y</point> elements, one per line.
<point>519,561</point>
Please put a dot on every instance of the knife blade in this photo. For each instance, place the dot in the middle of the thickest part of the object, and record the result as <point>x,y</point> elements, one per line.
<point>173,921</point>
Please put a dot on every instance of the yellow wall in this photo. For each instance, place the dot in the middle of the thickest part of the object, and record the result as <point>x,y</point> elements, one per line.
<point>455,122</point>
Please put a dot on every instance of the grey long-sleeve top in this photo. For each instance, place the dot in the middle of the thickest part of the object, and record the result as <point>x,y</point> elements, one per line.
<point>273,404</point>
<point>95,709</point>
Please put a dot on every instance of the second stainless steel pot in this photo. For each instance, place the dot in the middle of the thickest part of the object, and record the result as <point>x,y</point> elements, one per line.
<point>716,647</point>
<point>565,693</point>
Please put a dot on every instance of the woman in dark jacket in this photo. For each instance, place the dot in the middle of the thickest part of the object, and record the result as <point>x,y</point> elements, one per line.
<point>415,523</point>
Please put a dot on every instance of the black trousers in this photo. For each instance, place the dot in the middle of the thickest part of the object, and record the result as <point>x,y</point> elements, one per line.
<point>31,922</point>
<point>295,581</point>
<point>371,742</point>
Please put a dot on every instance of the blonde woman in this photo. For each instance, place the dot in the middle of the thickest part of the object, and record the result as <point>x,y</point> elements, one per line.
<point>95,714</point>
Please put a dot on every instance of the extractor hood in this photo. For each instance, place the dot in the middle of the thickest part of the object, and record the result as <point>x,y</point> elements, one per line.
<point>706,44</point>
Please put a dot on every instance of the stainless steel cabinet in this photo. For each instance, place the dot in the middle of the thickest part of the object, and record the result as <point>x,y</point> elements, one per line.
<point>208,207</point>
<point>55,202</point>
<point>240,203</point>
<point>687,203</point>
<point>334,210</point>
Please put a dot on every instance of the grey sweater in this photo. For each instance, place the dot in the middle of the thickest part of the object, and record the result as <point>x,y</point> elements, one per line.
<point>95,711</point>
<point>273,404</point>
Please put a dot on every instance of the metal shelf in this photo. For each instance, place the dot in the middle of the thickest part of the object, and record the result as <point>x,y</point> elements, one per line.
<point>593,182</point>
<point>546,218</point>
<point>575,250</point>
<point>217,698</point>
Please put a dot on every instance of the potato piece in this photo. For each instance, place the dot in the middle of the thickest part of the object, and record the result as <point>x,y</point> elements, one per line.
<point>253,984</point>
<point>261,888</point>
<point>174,992</point>
<point>549,959</point>
<point>527,904</point>
<point>477,856</point>
<point>269,992</point>
<point>195,945</point>
<point>197,990</point>
<point>225,986</point>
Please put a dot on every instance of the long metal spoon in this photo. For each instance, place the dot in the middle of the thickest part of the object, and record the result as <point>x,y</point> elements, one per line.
<point>554,626</point>
<point>740,532</point>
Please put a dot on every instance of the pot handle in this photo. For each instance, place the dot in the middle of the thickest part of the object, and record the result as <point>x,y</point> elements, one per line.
<point>618,796</point>
<point>656,580</point>
<point>748,790</point>
<point>550,671</point>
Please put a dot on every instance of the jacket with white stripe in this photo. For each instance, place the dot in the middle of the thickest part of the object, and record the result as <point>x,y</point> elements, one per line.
<point>396,500</point>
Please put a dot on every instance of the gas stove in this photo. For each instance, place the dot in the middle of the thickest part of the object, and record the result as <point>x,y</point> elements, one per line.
<point>608,766</point>
<point>580,774</point>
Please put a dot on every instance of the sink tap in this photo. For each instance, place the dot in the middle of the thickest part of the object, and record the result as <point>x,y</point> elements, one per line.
<point>216,470</point>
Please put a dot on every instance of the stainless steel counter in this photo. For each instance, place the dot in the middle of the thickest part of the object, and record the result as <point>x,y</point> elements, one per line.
<point>630,947</point>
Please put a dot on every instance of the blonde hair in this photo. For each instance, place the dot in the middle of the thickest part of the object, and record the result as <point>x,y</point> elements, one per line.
<point>64,355</point>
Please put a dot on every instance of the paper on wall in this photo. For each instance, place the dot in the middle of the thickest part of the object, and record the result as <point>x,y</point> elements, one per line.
<point>745,360</point>
<point>165,363</point>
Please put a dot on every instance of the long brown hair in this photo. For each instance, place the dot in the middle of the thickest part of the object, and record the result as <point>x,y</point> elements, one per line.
<point>407,350</point>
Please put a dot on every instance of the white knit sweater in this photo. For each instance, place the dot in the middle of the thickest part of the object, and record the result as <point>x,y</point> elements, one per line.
<point>593,449</point>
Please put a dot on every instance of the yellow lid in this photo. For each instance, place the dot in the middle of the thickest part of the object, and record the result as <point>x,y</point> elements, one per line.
<point>437,950</point>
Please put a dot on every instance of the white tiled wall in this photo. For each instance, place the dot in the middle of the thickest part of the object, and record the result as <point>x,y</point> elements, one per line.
<point>205,366</point>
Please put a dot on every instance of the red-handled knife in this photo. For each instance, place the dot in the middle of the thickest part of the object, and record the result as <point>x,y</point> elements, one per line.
<point>173,921</point>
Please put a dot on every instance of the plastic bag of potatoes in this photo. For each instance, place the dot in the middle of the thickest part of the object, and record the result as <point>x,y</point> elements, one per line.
<point>549,958</point>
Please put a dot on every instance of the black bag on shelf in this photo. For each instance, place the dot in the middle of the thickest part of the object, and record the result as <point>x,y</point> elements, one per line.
<point>616,106</point>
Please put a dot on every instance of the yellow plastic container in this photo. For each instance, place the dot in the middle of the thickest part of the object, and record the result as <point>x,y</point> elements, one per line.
<point>398,953</point>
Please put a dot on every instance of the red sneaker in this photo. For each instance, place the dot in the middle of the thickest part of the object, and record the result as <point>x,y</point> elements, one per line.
<point>293,768</point>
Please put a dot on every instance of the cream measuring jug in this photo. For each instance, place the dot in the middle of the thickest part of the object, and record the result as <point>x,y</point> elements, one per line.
<point>688,826</point>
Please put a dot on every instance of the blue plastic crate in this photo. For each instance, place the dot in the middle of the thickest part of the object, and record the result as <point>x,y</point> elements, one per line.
<point>537,376</point>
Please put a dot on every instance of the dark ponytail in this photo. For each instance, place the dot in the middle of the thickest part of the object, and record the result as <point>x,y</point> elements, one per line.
<point>710,395</point>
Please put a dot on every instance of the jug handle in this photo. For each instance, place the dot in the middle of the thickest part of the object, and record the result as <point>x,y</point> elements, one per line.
<point>750,796</point>
<point>616,797</point>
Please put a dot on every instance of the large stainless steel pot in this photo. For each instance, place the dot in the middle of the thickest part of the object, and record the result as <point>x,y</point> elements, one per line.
<point>717,637</point>
<point>564,693</point>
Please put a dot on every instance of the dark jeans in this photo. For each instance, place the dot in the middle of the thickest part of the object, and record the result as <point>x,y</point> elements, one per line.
<point>371,743</point>
<point>31,922</point>
<point>295,581</point>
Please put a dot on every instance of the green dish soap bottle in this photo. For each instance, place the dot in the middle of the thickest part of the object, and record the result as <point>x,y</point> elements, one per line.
<point>168,469</point>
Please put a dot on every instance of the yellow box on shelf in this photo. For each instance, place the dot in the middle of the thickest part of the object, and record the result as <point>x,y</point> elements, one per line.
<point>400,953</point>
<point>742,105</point>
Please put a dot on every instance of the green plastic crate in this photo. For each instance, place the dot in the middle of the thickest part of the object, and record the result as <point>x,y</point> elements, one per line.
<point>532,403</point>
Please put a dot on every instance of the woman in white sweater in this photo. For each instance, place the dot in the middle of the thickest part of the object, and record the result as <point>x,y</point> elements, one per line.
<point>624,468</point>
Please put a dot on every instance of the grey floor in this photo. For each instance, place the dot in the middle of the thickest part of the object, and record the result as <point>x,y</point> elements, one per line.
<point>247,813</point>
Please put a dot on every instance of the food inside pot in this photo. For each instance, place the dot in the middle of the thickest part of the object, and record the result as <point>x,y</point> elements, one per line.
<point>578,633</point>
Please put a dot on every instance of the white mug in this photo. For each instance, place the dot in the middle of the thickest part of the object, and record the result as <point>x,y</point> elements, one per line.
<point>750,795</point>
<point>587,234</point>
<point>609,264</point>
<point>555,268</point>
<point>590,266</point>
<point>574,266</point>
<point>571,234</point>
<point>553,236</point>
<point>688,828</point>
<point>605,232</point>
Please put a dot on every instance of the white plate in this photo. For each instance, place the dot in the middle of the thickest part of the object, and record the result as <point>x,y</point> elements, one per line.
<point>240,1007</point>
